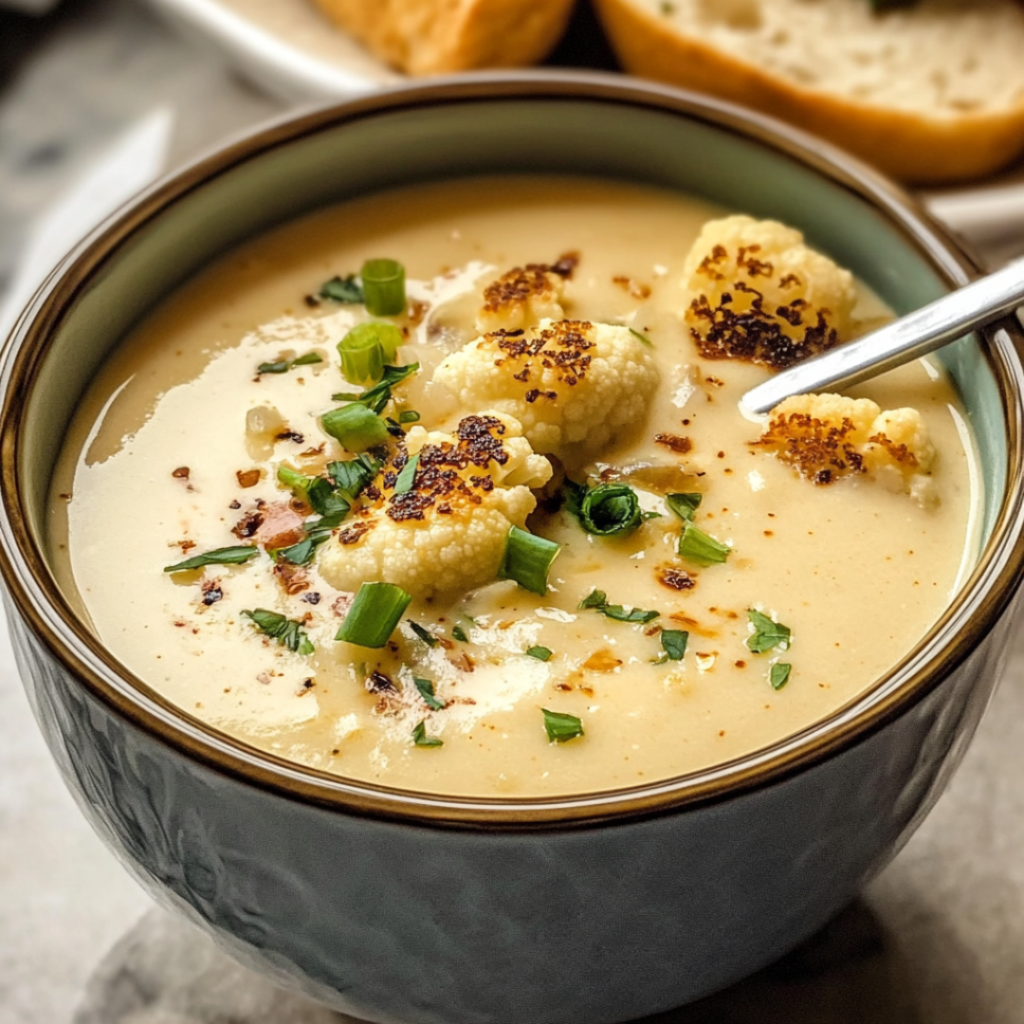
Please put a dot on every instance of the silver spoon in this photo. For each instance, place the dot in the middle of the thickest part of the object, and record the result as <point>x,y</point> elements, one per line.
<point>904,339</point>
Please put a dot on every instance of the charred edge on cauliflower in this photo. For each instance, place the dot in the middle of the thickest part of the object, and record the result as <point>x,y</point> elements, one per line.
<point>823,452</point>
<point>437,482</point>
<point>755,335</point>
<point>522,283</point>
<point>563,347</point>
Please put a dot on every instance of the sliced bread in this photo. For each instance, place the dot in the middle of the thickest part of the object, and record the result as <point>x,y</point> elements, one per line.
<point>425,37</point>
<point>933,92</point>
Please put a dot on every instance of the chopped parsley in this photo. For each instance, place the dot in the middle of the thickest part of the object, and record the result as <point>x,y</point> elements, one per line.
<point>767,633</point>
<point>407,477</point>
<point>561,727</point>
<point>426,688</point>
<point>287,632</point>
<point>353,475</point>
<point>779,675</point>
<point>302,552</point>
<point>342,289</point>
<point>684,505</point>
<point>642,337</point>
<point>458,633</point>
<point>377,397</point>
<point>284,365</point>
<point>409,416</point>
<point>425,635</point>
<point>540,653</point>
<point>673,642</point>
<point>421,739</point>
<point>598,600</point>
<point>697,546</point>
<point>219,556</point>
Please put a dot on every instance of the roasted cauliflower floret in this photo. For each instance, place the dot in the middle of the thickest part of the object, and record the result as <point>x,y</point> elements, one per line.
<point>759,294</point>
<point>825,437</point>
<point>569,382</point>
<point>524,296</point>
<point>443,530</point>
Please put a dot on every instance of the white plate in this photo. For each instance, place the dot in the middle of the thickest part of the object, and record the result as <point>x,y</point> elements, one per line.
<point>288,48</point>
<point>285,47</point>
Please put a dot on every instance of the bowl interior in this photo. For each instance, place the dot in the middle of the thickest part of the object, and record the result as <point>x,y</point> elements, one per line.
<point>331,156</point>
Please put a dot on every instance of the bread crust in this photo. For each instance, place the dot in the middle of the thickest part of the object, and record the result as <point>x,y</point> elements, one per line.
<point>425,37</point>
<point>913,147</point>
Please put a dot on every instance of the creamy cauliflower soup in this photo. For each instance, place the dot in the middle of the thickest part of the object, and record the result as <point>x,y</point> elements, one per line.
<point>501,529</point>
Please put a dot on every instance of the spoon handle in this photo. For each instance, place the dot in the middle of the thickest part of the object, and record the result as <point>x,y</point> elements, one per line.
<point>904,339</point>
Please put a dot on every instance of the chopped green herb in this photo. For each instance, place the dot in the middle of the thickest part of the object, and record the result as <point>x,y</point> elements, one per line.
<point>302,552</point>
<point>697,546</point>
<point>405,480</point>
<point>684,505</point>
<point>324,499</point>
<point>606,510</point>
<point>767,633</point>
<point>779,675</point>
<point>219,556</point>
<point>527,560</point>
<point>643,337</point>
<point>297,483</point>
<point>284,365</point>
<point>377,397</point>
<point>374,614</point>
<point>674,643</point>
<point>355,427</point>
<point>287,632</point>
<point>426,688</point>
<point>342,289</point>
<point>540,653</point>
<point>458,633</point>
<point>598,600</point>
<point>421,739</point>
<point>425,635</point>
<point>561,727</point>
<point>409,416</point>
<point>352,476</point>
<point>384,287</point>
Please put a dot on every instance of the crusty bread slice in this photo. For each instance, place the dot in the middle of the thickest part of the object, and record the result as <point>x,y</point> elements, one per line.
<point>424,37</point>
<point>929,93</point>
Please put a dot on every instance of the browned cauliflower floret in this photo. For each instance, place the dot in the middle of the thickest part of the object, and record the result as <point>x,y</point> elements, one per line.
<point>570,383</point>
<point>825,437</point>
<point>524,296</point>
<point>759,294</point>
<point>445,529</point>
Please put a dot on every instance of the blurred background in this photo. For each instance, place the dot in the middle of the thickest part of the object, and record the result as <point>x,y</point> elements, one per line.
<point>97,97</point>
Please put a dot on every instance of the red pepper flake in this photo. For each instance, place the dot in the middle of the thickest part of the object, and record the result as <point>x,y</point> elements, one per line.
<point>212,592</point>
<point>181,473</point>
<point>680,445</point>
<point>248,477</point>
<point>675,579</point>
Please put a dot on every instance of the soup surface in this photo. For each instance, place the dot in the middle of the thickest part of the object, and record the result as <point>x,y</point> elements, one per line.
<point>179,441</point>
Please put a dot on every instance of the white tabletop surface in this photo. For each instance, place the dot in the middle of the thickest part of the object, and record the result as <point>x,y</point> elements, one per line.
<point>937,939</point>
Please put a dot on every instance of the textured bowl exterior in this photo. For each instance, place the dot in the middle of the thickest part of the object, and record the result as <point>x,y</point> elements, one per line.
<point>401,924</point>
<point>406,909</point>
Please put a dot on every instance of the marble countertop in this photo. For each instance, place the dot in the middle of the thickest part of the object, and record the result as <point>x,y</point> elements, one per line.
<point>938,938</point>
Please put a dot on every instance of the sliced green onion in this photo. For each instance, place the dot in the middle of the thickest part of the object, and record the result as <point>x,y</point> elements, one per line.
<point>426,688</point>
<point>362,356</point>
<point>302,552</point>
<point>540,653</point>
<point>309,359</point>
<point>767,633</point>
<point>674,641</point>
<point>383,287</point>
<point>374,614</point>
<point>353,475</point>
<point>684,505</point>
<point>528,560</point>
<point>219,556</point>
<point>281,366</point>
<point>421,739</point>
<point>425,635</point>
<point>355,427</point>
<point>405,480</point>
<point>298,483</point>
<point>697,546</point>
<point>409,416</point>
<point>284,365</point>
<point>608,510</point>
<point>642,337</point>
<point>561,727</point>
<point>779,675</point>
<point>598,600</point>
<point>342,289</point>
<point>458,633</point>
<point>287,632</point>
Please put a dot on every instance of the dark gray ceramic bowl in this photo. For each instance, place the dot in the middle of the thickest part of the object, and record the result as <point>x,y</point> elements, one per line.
<point>409,909</point>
